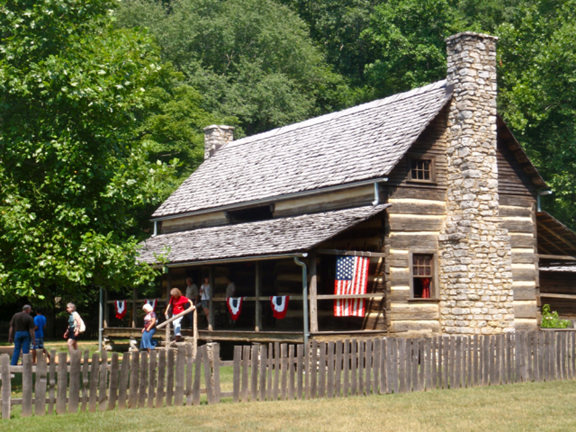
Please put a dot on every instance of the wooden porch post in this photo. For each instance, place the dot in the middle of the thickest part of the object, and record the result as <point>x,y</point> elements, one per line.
<point>313,293</point>
<point>211,304</point>
<point>134,297</point>
<point>106,311</point>
<point>168,288</point>
<point>258,293</point>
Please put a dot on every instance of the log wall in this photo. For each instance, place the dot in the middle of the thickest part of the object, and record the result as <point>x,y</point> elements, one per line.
<point>415,219</point>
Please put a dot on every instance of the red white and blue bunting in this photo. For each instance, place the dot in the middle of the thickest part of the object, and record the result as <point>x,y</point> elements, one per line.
<point>120,308</point>
<point>152,303</point>
<point>279,306</point>
<point>234,306</point>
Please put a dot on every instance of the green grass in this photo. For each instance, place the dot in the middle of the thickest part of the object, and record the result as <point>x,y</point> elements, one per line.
<point>517,407</point>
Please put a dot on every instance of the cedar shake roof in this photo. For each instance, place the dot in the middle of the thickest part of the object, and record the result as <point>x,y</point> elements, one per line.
<point>361,143</point>
<point>273,236</point>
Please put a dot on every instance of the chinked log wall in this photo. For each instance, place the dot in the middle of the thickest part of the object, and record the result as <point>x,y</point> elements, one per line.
<point>280,371</point>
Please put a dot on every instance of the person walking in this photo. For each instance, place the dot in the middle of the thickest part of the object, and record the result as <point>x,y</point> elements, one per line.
<point>149,329</point>
<point>40,323</point>
<point>73,330</point>
<point>21,332</point>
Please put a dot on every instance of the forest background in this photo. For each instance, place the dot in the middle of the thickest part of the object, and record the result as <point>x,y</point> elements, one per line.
<point>102,105</point>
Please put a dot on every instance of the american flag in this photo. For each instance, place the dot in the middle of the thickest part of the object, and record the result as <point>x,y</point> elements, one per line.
<point>351,278</point>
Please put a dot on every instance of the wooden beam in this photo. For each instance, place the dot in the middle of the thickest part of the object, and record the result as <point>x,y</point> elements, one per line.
<point>554,234</point>
<point>258,293</point>
<point>557,257</point>
<point>106,311</point>
<point>313,293</point>
<point>559,296</point>
<point>134,298</point>
<point>351,253</point>
<point>319,297</point>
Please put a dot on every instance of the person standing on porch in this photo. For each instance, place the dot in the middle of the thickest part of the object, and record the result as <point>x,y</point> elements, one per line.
<point>205,294</point>
<point>179,304</point>
<point>193,294</point>
<point>230,291</point>
<point>21,332</point>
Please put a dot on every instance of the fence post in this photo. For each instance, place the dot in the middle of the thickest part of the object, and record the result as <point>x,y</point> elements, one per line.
<point>41,381</point>
<point>62,384</point>
<point>236,374</point>
<point>216,371</point>
<point>6,386</point>
<point>26,385</point>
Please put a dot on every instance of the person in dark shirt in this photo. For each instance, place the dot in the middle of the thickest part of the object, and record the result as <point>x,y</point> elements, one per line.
<point>21,333</point>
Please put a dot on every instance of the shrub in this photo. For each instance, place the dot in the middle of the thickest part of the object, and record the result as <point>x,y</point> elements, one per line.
<point>551,319</point>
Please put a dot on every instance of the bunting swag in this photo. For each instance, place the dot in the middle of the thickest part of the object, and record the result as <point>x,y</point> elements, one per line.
<point>279,306</point>
<point>152,303</point>
<point>234,306</point>
<point>120,308</point>
<point>351,278</point>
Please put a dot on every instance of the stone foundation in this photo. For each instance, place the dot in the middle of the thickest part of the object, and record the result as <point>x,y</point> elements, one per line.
<point>474,249</point>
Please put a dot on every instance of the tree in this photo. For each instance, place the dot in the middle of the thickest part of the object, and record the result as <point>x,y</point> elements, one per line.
<point>72,177</point>
<point>252,59</point>
<point>537,52</point>
<point>407,37</point>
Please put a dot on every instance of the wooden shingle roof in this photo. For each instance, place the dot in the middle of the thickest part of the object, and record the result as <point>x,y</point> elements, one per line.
<point>361,143</point>
<point>274,236</point>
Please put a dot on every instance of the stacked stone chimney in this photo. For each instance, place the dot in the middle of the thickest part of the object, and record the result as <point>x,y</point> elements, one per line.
<point>215,137</point>
<point>474,249</point>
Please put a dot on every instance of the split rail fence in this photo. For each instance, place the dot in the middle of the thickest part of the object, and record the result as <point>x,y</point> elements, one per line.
<point>281,371</point>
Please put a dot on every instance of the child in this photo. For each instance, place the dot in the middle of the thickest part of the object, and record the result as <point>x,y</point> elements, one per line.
<point>40,323</point>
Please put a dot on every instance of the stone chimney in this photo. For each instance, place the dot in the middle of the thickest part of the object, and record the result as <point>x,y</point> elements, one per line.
<point>474,249</point>
<point>215,137</point>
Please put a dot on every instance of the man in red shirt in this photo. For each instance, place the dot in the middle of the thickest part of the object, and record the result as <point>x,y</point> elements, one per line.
<point>179,304</point>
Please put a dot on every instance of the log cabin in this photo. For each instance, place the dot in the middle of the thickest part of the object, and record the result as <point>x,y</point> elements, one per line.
<point>430,186</point>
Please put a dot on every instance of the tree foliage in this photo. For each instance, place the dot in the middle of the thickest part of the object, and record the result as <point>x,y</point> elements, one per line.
<point>72,178</point>
<point>252,59</point>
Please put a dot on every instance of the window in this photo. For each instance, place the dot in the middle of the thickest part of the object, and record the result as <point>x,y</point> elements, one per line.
<point>250,214</point>
<point>422,275</point>
<point>421,170</point>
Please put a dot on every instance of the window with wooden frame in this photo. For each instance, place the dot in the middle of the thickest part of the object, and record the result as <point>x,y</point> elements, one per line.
<point>421,170</point>
<point>423,276</point>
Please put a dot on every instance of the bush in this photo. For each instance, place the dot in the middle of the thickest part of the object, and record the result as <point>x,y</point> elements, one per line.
<point>551,319</point>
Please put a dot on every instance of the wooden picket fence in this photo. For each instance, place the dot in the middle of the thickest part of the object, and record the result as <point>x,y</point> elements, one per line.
<point>280,371</point>
<point>137,380</point>
<point>395,365</point>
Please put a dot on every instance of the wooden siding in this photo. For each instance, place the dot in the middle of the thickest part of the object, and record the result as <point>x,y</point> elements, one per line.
<point>347,198</point>
<point>512,179</point>
<point>415,219</point>
<point>193,222</point>
<point>518,217</point>
<point>430,145</point>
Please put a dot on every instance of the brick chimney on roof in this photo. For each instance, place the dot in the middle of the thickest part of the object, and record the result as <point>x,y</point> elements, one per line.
<point>474,249</point>
<point>215,136</point>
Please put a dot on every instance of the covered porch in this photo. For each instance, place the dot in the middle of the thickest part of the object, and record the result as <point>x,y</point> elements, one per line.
<point>292,256</point>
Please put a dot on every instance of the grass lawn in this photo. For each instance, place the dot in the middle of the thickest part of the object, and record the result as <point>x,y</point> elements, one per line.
<point>518,407</point>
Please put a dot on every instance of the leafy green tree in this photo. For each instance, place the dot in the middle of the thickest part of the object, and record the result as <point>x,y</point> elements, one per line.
<point>407,37</point>
<point>72,177</point>
<point>252,59</point>
<point>537,51</point>
<point>336,26</point>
